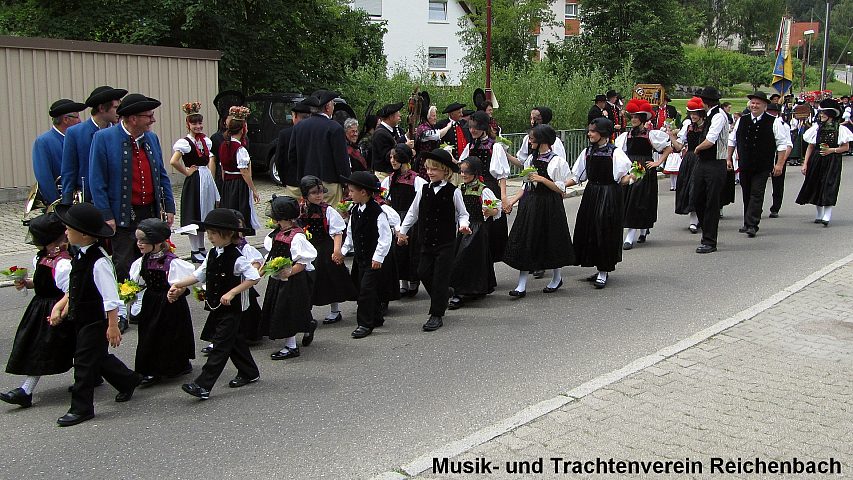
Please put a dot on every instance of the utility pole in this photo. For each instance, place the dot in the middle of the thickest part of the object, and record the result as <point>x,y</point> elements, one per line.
<point>824,64</point>
<point>488,50</point>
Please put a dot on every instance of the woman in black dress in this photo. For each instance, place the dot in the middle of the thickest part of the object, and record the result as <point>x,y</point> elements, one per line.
<point>238,189</point>
<point>692,133</point>
<point>598,228</point>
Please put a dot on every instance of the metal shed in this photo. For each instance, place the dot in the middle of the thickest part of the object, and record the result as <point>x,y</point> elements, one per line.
<point>35,72</point>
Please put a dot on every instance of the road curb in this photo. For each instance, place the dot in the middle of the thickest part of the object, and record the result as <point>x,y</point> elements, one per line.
<point>531,413</point>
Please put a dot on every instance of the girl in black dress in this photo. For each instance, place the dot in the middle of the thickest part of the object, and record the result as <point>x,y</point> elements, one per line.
<point>40,349</point>
<point>692,133</point>
<point>540,239</point>
<point>166,340</point>
<point>238,189</point>
<point>598,229</point>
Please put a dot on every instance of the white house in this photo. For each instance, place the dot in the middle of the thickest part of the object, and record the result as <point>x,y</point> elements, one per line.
<point>422,34</point>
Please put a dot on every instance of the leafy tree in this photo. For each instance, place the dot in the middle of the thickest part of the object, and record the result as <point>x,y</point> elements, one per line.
<point>715,67</point>
<point>513,25</point>
<point>266,45</point>
<point>758,71</point>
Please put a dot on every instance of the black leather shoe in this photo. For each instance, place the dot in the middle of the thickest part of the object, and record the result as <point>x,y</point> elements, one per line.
<point>285,353</point>
<point>70,419</point>
<point>705,249</point>
<point>539,274</point>
<point>591,278</point>
<point>825,223</point>
<point>552,290</point>
<point>122,397</point>
<point>133,319</point>
<point>818,220</point>
<point>196,391</point>
<point>434,323</point>
<point>148,380</point>
<point>18,396</point>
<point>627,246</point>
<point>599,283</point>
<point>309,335</point>
<point>329,321</point>
<point>361,332</point>
<point>516,293</point>
<point>641,239</point>
<point>751,231</point>
<point>455,303</point>
<point>693,228</point>
<point>774,214</point>
<point>741,229</point>
<point>123,325</point>
<point>206,350</point>
<point>411,293</point>
<point>242,381</point>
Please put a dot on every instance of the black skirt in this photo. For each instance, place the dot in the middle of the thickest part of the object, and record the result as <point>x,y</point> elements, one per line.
<point>598,231</point>
<point>498,234</point>
<point>250,320</point>
<point>473,270</point>
<point>684,184</point>
<point>237,196</point>
<point>822,182</point>
<point>40,349</point>
<point>332,282</point>
<point>287,306</point>
<point>191,200</point>
<point>641,201</point>
<point>166,340</point>
<point>540,239</point>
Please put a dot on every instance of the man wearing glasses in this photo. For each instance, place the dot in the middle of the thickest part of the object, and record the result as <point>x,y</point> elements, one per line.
<point>47,149</point>
<point>129,181</point>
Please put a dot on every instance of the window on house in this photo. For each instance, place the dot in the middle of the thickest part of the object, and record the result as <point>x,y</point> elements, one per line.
<point>571,10</point>
<point>372,7</point>
<point>438,11</point>
<point>438,58</point>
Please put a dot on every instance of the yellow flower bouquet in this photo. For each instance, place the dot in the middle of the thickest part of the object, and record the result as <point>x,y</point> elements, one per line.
<point>128,290</point>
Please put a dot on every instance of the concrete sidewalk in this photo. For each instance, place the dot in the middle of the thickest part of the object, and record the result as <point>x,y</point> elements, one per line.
<point>773,383</point>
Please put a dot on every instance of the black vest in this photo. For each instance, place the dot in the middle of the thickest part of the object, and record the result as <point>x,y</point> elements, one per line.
<point>437,215</point>
<point>193,157</point>
<point>756,145</point>
<point>85,303</point>
<point>365,232</point>
<point>220,277</point>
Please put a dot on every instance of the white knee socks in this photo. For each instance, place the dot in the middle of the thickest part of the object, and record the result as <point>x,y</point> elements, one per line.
<point>694,219</point>
<point>334,310</point>
<point>631,236</point>
<point>30,384</point>
<point>673,179</point>
<point>602,276</point>
<point>522,281</point>
<point>556,279</point>
<point>827,213</point>
<point>289,343</point>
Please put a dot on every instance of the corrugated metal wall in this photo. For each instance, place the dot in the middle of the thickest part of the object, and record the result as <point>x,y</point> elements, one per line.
<point>36,72</point>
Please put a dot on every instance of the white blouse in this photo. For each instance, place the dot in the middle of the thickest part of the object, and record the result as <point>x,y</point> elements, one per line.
<point>558,169</point>
<point>621,166</point>
<point>61,272</point>
<point>301,250</point>
<point>844,135</point>
<point>243,159</point>
<point>252,254</point>
<point>183,145</point>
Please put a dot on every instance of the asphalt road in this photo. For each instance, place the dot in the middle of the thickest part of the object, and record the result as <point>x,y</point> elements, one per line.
<point>353,408</point>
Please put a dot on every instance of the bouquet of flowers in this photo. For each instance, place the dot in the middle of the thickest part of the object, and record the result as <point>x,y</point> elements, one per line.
<point>637,170</point>
<point>14,273</point>
<point>276,266</point>
<point>669,123</point>
<point>383,192</point>
<point>504,141</point>
<point>527,171</point>
<point>199,293</point>
<point>446,146</point>
<point>490,204</point>
<point>270,223</point>
<point>344,206</point>
<point>128,290</point>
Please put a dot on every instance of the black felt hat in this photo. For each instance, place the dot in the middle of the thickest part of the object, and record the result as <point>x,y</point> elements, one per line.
<point>603,126</point>
<point>104,94</point>
<point>600,98</point>
<point>453,107</point>
<point>444,157</point>
<point>45,229</point>
<point>831,107</point>
<point>136,103</point>
<point>156,231</point>
<point>760,96</point>
<point>389,109</point>
<point>774,107</point>
<point>612,93</point>
<point>467,113</point>
<point>283,208</point>
<point>222,219</point>
<point>325,96</point>
<point>402,153</point>
<point>85,218</point>
<point>303,106</point>
<point>709,93</point>
<point>65,106</point>
<point>364,180</point>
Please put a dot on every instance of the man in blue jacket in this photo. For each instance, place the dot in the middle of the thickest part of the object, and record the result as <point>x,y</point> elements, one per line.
<point>47,149</point>
<point>129,181</point>
<point>103,101</point>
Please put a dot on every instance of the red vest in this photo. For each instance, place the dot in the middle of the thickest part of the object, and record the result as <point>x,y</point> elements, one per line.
<point>142,185</point>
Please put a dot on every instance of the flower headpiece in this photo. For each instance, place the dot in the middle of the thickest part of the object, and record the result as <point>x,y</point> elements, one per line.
<point>239,112</point>
<point>191,108</point>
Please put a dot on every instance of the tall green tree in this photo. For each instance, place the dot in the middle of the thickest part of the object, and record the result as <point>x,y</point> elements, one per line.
<point>266,45</point>
<point>514,23</point>
<point>650,33</point>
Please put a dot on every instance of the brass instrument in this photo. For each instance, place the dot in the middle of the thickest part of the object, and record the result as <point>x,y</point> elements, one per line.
<point>34,201</point>
<point>415,112</point>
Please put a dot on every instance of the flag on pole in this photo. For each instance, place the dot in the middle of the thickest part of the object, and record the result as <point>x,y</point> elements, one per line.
<point>783,70</point>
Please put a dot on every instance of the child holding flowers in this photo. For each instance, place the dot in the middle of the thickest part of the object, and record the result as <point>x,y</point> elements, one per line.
<point>40,349</point>
<point>228,276</point>
<point>401,186</point>
<point>332,282</point>
<point>539,239</point>
<point>287,302</point>
<point>166,340</point>
<point>473,272</point>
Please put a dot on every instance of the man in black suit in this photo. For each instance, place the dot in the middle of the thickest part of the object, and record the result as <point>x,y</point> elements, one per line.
<point>597,110</point>
<point>287,166</point>
<point>387,135</point>
<point>319,146</point>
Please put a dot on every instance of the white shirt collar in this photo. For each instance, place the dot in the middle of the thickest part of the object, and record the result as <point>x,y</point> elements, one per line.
<point>84,249</point>
<point>324,114</point>
<point>57,130</point>
<point>389,127</point>
<point>128,133</point>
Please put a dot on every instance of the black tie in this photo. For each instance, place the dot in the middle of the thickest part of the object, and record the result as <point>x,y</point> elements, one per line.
<point>754,119</point>
<point>434,184</point>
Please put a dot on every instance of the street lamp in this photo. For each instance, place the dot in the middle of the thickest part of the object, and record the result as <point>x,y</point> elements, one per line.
<point>808,36</point>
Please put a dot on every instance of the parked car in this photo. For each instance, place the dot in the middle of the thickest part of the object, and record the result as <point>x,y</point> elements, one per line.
<point>271,113</point>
